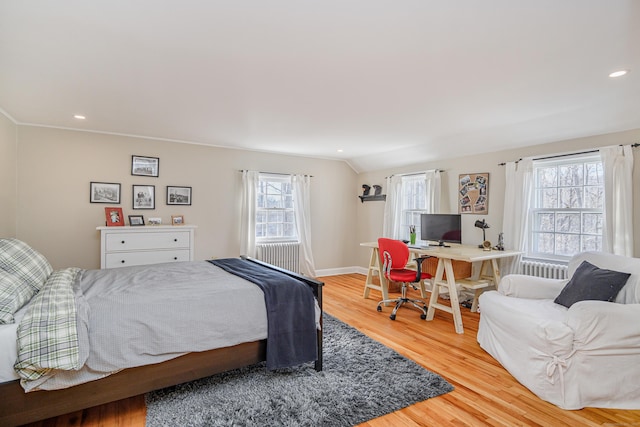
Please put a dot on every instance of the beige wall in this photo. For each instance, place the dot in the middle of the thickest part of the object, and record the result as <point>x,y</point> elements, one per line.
<point>8,177</point>
<point>56,166</point>
<point>370,214</point>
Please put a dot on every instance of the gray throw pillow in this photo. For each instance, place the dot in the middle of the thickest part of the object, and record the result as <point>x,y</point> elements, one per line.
<point>592,283</point>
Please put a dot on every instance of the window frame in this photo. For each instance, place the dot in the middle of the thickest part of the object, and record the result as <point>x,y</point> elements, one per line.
<point>535,210</point>
<point>411,202</point>
<point>273,178</point>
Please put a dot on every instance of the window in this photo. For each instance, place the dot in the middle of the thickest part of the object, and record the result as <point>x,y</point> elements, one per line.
<point>275,215</point>
<point>414,203</point>
<point>567,213</point>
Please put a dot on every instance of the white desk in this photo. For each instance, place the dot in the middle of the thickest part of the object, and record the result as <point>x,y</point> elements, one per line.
<point>445,256</point>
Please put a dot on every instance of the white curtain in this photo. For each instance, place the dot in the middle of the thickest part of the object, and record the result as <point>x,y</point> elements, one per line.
<point>392,208</point>
<point>432,187</point>
<point>302,208</point>
<point>394,203</point>
<point>248,213</point>
<point>617,236</point>
<point>517,201</point>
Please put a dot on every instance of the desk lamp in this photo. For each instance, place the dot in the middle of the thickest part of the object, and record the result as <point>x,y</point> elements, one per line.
<point>483,225</point>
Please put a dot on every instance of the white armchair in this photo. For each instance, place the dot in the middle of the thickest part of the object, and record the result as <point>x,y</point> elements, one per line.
<point>585,355</point>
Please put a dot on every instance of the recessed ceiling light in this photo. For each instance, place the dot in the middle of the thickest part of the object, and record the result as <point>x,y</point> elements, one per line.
<point>340,150</point>
<point>619,73</point>
<point>79,116</point>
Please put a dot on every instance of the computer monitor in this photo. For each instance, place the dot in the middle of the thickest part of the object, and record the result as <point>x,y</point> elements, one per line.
<point>441,228</point>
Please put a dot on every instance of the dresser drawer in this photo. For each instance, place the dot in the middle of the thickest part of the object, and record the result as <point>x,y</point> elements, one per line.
<point>141,241</point>
<point>125,259</point>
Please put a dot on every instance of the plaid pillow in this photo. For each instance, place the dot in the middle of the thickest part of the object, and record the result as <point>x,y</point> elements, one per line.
<point>14,293</point>
<point>24,262</point>
<point>48,335</point>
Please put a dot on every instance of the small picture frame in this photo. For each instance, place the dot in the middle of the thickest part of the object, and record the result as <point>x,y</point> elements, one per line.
<point>145,166</point>
<point>144,197</point>
<point>178,195</point>
<point>177,219</point>
<point>154,221</point>
<point>114,216</point>
<point>104,192</point>
<point>136,220</point>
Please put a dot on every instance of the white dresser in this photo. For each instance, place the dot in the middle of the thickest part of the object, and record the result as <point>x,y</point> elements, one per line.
<point>139,245</point>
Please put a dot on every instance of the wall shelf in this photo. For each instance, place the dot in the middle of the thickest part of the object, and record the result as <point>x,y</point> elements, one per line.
<point>373,198</point>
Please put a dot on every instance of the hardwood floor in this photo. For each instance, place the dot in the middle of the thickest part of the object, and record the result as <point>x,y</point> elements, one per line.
<point>485,394</point>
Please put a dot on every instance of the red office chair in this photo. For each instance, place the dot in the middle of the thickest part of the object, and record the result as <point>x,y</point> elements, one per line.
<point>394,256</point>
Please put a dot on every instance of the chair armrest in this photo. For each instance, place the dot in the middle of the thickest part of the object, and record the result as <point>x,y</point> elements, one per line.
<point>605,325</point>
<point>523,286</point>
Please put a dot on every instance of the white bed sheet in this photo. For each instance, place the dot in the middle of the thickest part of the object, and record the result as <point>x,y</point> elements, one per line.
<point>9,348</point>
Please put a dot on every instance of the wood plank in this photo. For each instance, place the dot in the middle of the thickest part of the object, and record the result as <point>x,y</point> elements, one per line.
<point>485,393</point>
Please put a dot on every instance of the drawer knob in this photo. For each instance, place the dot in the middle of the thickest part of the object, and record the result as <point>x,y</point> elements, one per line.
<point>175,258</point>
<point>122,261</point>
<point>122,242</point>
<point>175,240</point>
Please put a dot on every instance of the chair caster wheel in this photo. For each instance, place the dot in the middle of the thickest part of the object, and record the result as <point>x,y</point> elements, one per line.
<point>392,317</point>
<point>379,308</point>
<point>423,316</point>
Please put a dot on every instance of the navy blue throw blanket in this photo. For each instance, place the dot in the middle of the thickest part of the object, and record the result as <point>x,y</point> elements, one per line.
<point>292,334</point>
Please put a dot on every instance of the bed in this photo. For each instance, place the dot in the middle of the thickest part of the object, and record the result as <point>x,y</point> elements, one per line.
<point>231,317</point>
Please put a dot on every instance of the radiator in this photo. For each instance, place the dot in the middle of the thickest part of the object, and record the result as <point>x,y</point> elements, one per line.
<point>285,255</point>
<point>543,269</point>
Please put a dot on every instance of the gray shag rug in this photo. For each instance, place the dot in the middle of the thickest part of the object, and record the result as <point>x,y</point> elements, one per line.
<point>362,379</point>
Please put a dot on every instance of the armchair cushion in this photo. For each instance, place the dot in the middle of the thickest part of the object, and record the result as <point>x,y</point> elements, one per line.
<point>592,283</point>
<point>530,287</point>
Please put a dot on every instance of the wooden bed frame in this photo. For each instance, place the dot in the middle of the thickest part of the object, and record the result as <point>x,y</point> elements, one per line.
<point>18,407</point>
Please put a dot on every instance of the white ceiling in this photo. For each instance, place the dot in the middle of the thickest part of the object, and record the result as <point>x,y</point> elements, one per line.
<point>390,82</point>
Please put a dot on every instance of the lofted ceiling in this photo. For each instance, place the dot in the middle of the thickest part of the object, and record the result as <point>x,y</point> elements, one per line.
<point>388,82</point>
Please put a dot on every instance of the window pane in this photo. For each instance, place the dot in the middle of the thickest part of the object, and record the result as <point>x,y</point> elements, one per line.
<point>544,243</point>
<point>592,243</point>
<point>570,175</point>
<point>567,244</point>
<point>545,221</point>
<point>592,223</point>
<point>548,198</point>
<point>594,174</point>
<point>594,197</point>
<point>547,177</point>
<point>570,197</point>
<point>568,222</point>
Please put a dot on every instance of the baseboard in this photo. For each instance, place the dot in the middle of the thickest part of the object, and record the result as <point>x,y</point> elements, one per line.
<point>341,270</point>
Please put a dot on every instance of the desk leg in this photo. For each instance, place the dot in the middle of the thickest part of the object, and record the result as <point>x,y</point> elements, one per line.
<point>375,268</point>
<point>445,265</point>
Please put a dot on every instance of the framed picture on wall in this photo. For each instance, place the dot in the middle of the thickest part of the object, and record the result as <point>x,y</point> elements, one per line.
<point>104,192</point>
<point>145,166</point>
<point>178,195</point>
<point>114,216</point>
<point>473,193</point>
<point>144,197</point>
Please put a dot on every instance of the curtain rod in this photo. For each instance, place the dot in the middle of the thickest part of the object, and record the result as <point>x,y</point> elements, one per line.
<point>412,174</point>
<point>568,154</point>
<point>276,173</point>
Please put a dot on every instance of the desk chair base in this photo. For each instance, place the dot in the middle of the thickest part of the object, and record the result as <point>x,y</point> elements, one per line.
<point>417,303</point>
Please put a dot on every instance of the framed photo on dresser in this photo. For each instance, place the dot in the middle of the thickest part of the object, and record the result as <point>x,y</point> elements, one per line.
<point>114,216</point>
